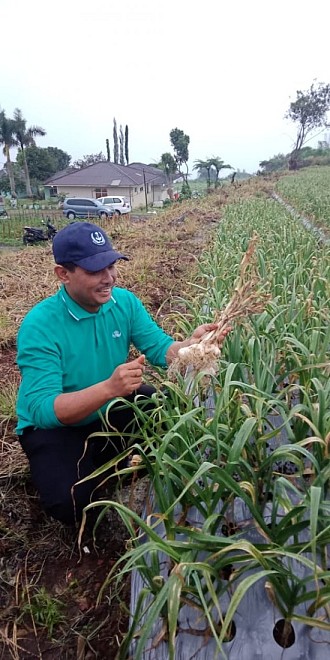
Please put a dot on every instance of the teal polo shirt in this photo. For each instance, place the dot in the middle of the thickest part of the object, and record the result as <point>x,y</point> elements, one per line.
<point>63,348</point>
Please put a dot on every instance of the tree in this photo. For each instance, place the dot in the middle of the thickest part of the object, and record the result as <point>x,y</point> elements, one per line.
<point>185,191</point>
<point>204,165</point>
<point>43,163</point>
<point>18,177</point>
<point>25,137</point>
<point>278,162</point>
<point>7,139</point>
<point>168,165</point>
<point>309,112</point>
<point>121,145</point>
<point>180,143</point>
<point>108,149</point>
<point>115,142</point>
<point>89,159</point>
<point>61,158</point>
<point>126,144</point>
<point>39,163</point>
<point>218,165</point>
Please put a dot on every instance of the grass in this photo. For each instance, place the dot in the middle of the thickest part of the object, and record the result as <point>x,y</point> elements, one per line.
<point>44,610</point>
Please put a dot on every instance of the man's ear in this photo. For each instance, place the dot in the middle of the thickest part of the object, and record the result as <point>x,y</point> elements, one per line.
<point>62,273</point>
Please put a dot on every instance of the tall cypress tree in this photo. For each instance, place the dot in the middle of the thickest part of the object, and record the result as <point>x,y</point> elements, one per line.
<point>108,149</point>
<point>121,143</point>
<point>126,144</point>
<point>115,141</point>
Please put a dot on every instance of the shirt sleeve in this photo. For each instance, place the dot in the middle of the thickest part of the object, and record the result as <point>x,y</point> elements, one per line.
<point>148,337</point>
<point>39,360</point>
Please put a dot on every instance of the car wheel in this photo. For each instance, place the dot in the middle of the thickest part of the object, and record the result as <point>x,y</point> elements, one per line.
<point>71,215</point>
<point>103,215</point>
<point>116,213</point>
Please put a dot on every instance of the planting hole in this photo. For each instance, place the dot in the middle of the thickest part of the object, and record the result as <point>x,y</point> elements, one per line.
<point>226,571</point>
<point>283,633</point>
<point>231,632</point>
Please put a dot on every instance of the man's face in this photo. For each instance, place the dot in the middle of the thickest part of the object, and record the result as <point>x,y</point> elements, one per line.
<point>89,290</point>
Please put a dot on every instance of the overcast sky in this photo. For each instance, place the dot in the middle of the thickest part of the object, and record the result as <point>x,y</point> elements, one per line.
<point>224,72</point>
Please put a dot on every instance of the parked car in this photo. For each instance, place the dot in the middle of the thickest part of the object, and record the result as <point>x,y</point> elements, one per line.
<point>85,207</point>
<point>120,205</point>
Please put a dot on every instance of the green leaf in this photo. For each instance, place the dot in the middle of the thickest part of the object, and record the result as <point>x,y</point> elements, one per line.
<point>315,499</point>
<point>243,435</point>
<point>239,593</point>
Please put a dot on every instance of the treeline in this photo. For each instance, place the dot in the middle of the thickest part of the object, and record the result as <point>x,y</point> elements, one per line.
<point>307,157</point>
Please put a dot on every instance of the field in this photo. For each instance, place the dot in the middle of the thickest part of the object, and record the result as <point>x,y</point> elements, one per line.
<point>309,193</point>
<point>273,383</point>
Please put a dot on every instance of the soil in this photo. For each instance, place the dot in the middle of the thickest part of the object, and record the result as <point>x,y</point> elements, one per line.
<point>37,553</point>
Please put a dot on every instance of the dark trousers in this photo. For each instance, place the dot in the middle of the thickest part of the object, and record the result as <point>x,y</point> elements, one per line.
<point>60,457</point>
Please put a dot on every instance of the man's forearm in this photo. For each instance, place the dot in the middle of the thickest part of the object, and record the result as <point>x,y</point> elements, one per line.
<point>73,407</point>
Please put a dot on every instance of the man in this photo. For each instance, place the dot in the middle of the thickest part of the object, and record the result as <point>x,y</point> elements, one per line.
<point>72,355</point>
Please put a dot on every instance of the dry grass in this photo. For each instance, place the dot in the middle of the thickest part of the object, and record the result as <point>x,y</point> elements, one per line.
<point>13,461</point>
<point>26,276</point>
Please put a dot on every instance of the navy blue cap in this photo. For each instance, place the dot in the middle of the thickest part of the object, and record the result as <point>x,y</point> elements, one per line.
<point>85,245</point>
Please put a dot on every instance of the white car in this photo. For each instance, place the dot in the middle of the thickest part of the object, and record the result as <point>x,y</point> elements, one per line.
<point>119,205</point>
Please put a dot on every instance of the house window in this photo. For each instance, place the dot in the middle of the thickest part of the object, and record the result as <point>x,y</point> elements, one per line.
<point>135,189</point>
<point>100,192</point>
<point>141,188</point>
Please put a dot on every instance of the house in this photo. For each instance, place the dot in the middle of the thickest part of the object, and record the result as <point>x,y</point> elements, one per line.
<point>138,182</point>
<point>50,186</point>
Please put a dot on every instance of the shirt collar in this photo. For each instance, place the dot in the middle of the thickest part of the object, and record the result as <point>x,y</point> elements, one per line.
<point>78,312</point>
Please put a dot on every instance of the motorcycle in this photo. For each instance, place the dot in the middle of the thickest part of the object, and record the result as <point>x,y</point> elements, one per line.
<point>34,235</point>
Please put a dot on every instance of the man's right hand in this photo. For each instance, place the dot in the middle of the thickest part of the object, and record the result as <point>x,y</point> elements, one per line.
<point>72,407</point>
<point>127,377</point>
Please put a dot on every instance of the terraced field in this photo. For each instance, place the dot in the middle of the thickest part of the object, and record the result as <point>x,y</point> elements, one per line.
<point>309,192</point>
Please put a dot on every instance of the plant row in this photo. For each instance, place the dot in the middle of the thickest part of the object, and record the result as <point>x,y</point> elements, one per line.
<point>309,192</point>
<point>240,471</point>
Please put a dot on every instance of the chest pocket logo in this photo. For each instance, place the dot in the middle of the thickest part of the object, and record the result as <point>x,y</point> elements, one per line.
<point>116,334</point>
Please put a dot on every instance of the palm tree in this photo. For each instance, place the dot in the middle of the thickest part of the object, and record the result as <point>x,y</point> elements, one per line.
<point>218,165</point>
<point>25,138</point>
<point>7,140</point>
<point>201,165</point>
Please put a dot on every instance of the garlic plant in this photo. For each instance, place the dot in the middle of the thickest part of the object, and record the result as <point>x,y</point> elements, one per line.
<point>261,452</point>
<point>309,192</point>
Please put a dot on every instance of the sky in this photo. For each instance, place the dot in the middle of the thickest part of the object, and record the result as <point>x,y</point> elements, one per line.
<point>223,72</point>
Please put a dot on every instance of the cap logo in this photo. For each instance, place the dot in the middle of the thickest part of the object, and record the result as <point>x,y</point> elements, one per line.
<point>97,238</point>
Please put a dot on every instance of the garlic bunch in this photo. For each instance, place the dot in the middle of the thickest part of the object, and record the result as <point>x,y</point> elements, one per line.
<point>248,298</point>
